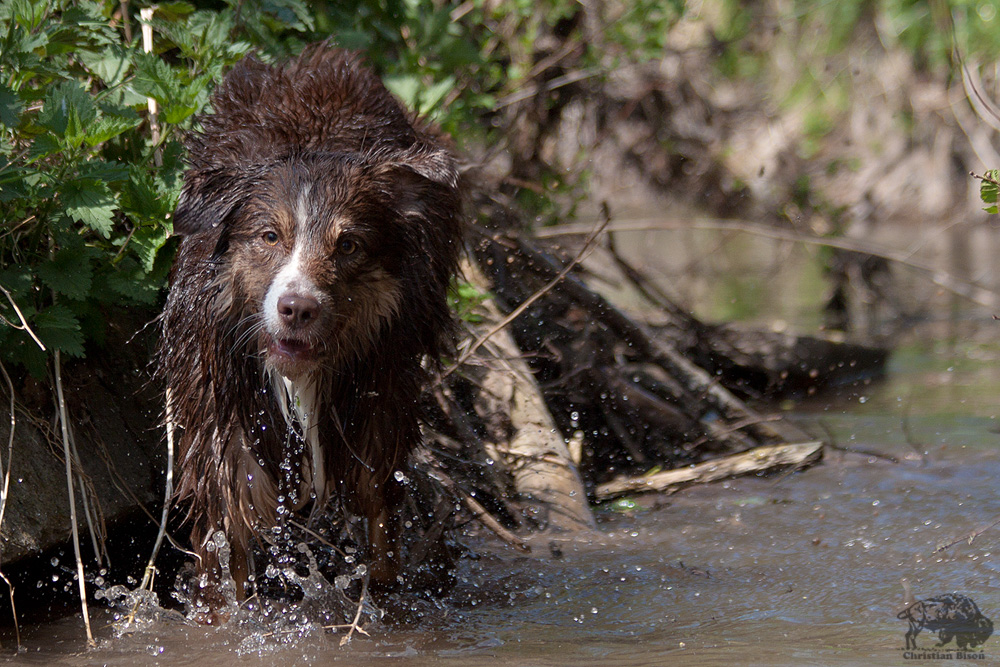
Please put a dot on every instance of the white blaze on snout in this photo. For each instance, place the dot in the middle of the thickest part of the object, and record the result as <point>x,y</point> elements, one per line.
<point>291,278</point>
<point>298,397</point>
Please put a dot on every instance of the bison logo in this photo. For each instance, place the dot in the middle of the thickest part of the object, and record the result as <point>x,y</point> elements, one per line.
<point>952,616</point>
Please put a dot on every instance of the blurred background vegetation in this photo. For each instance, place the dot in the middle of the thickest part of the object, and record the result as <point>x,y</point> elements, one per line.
<point>784,111</point>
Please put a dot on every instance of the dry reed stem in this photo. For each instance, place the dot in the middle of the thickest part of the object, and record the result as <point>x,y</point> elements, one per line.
<point>357,616</point>
<point>24,323</point>
<point>758,459</point>
<point>6,490</point>
<point>64,423</point>
<point>970,538</point>
<point>168,492</point>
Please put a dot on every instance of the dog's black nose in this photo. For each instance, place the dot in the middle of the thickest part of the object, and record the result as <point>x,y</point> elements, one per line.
<point>297,310</point>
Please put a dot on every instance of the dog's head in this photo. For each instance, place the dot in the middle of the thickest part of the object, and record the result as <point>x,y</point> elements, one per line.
<point>319,254</point>
<point>333,215</point>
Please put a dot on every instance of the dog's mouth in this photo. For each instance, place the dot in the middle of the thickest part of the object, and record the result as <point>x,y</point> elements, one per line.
<point>290,350</point>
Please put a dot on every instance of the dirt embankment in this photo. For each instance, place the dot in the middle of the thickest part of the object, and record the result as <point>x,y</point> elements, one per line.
<point>812,137</point>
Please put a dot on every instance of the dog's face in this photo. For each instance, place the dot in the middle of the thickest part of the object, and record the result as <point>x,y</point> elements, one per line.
<point>314,256</point>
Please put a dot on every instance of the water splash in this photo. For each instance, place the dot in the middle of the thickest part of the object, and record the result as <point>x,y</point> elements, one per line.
<point>311,605</point>
<point>136,610</point>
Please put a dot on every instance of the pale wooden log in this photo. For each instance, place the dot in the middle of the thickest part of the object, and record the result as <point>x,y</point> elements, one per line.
<point>545,477</point>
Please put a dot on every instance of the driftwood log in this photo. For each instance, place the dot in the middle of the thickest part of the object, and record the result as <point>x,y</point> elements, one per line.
<point>618,390</point>
<point>761,459</point>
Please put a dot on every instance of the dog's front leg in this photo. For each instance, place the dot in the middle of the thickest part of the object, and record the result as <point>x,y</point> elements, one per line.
<point>383,540</point>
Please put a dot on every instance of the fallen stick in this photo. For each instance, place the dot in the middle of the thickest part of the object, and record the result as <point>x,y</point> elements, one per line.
<point>759,459</point>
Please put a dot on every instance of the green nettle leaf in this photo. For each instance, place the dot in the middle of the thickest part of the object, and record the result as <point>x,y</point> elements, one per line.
<point>67,109</point>
<point>59,329</point>
<point>108,127</point>
<point>174,10</point>
<point>43,146</point>
<point>69,273</point>
<point>101,170</point>
<point>989,190</point>
<point>110,64</point>
<point>154,78</point>
<point>406,87</point>
<point>22,349</point>
<point>12,184</point>
<point>432,96</point>
<point>91,203</point>
<point>176,113</point>
<point>17,280</point>
<point>86,17</point>
<point>28,14</point>
<point>146,242</point>
<point>129,281</point>
<point>75,128</point>
<point>141,198</point>
<point>10,107</point>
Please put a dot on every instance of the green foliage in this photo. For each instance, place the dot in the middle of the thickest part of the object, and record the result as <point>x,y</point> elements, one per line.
<point>88,181</point>
<point>989,189</point>
<point>465,300</point>
<point>85,192</point>
<point>932,30</point>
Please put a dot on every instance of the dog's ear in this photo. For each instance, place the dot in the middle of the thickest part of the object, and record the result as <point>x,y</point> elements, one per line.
<point>423,182</point>
<point>209,197</point>
<point>435,165</point>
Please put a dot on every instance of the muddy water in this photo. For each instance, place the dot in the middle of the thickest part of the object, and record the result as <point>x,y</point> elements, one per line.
<point>801,569</point>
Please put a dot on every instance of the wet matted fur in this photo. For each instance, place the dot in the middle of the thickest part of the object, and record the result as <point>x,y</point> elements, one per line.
<point>320,228</point>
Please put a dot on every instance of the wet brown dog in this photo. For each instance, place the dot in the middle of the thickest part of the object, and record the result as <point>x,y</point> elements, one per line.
<point>320,227</point>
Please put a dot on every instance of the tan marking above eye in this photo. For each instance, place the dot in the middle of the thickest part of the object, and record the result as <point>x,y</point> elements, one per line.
<point>270,237</point>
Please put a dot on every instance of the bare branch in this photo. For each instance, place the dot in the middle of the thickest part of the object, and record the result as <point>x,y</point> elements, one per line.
<point>588,245</point>
<point>24,323</point>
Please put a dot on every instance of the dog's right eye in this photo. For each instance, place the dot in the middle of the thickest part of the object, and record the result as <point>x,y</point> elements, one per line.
<point>270,238</point>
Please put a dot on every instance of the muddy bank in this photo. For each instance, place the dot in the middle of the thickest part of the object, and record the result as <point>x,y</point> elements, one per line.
<point>117,447</point>
<point>829,138</point>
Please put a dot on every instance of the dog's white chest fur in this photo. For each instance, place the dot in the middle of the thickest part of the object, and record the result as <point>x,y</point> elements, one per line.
<point>300,403</point>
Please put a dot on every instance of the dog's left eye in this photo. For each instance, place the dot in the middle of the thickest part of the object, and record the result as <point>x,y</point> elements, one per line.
<point>270,238</point>
<point>347,246</point>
